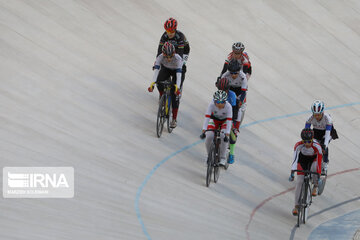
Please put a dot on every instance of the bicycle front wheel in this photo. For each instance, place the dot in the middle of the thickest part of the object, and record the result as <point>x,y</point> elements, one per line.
<point>168,113</point>
<point>210,164</point>
<point>160,116</point>
<point>307,199</point>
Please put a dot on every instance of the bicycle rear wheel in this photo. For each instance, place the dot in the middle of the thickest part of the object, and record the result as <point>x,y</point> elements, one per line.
<point>210,164</point>
<point>168,114</point>
<point>160,116</point>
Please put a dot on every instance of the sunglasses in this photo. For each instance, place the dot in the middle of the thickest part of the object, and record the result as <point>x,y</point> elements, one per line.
<point>234,73</point>
<point>170,32</point>
<point>168,57</point>
<point>308,141</point>
<point>238,53</point>
<point>219,102</point>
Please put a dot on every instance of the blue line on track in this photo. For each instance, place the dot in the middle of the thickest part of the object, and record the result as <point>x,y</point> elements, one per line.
<point>147,178</point>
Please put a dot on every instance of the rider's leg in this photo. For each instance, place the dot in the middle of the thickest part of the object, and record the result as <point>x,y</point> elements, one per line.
<point>223,148</point>
<point>183,76</point>
<point>232,142</point>
<point>164,74</point>
<point>175,101</point>
<point>315,178</point>
<point>208,140</point>
<point>241,113</point>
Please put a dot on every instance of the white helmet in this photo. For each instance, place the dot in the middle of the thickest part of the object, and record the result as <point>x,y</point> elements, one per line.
<point>220,96</point>
<point>238,47</point>
<point>317,106</point>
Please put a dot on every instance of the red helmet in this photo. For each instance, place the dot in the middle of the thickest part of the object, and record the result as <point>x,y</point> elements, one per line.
<point>168,49</point>
<point>223,84</point>
<point>170,25</point>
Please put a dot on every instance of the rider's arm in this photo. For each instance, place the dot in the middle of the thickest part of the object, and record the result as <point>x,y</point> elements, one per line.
<point>228,117</point>
<point>327,135</point>
<point>308,122</point>
<point>244,87</point>
<point>296,155</point>
<point>157,67</point>
<point>318,151</point>
<point>208,114</point>
<point>225,67</point>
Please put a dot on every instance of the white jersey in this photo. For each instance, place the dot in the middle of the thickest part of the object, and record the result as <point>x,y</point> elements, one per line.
<point>240,81</point>
<point>326,120</point>
<point>175,63</point>
<point>324,125</point>
<point>223,114</point>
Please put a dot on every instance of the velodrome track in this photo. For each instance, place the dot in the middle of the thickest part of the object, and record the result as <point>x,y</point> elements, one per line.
<point>73,86</point>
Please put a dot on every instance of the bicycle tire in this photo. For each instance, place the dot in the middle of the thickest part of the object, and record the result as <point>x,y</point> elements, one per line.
<point>307,199</point>
<point>210,165</point>
<point>169,114</point>
<point>301,206</point>
<point>160,116</point>
<point>216,164</point>
<point>321,186</point>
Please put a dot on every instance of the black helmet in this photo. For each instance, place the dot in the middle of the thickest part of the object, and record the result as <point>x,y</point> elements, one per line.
<point>234,66</point>
<point>307,134</point>
<point>223,84</point>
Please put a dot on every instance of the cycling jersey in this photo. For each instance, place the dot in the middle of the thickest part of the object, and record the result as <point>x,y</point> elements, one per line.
<point>221,116</point>
<point>179,41</point>
<point>175,63</point>
<point>321,128</point>
<point>303,157</point>
<point>244,61</point>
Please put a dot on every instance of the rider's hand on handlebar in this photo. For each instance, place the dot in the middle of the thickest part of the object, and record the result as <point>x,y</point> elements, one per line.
<point>150,89</point>
<point>202,136</point>
<point>291,178</point>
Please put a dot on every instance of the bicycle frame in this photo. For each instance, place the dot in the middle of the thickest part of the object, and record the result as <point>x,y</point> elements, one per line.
<point>305,198</point>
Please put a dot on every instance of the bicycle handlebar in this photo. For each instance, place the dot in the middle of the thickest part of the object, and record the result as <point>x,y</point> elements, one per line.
<point>202,136</point>
<point>166,82</point>
<point>306,172</point>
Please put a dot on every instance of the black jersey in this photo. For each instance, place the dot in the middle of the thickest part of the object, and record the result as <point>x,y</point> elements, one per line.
<point>179,41</point>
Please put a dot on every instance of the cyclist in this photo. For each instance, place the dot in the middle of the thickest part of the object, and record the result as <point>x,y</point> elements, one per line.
<point>224,84</point>
<point>238,84</point>
<point>220,113</point>
<point>169,64</point>
<point>241,56</point>
<point>323,128</point>
<point>307,156</point>
<point>178,39</point>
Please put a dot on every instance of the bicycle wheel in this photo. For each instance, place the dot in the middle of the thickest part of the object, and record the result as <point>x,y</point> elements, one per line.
<point>322,185</point>
<point>307,199</point>
<point>210,164</point>
<point>216,164</point>
<point>160,116</point>
<point>168,114</point>
<point>301,205</point>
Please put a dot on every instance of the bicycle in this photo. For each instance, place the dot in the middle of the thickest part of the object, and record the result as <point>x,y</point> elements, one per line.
<point>214,156</point>
<point>164,110</point>
<point>305,198</point>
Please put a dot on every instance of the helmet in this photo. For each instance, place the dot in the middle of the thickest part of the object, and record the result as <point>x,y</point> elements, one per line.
<point>168,49</point>
<point>238,47</point>
<point>234,66</point>
<point>220,95</point>
<point>317,106</point>
<point>170,25</point>
<point>223,84</point>
<point>307,134</point>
